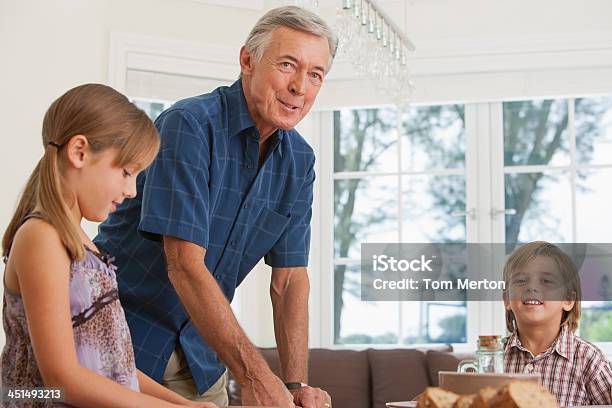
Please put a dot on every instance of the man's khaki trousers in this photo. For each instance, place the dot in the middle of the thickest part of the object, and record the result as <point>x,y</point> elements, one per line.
<point>177,377</point>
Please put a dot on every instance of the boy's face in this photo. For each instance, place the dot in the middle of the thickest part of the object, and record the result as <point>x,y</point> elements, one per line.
<point>537,294</point>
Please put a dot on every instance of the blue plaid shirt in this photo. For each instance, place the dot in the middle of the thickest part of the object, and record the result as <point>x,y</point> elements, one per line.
<point>205,187</point>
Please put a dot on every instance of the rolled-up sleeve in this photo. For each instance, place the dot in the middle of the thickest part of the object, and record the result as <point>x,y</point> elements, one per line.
<point>293,246</point>
<point>176,196</point>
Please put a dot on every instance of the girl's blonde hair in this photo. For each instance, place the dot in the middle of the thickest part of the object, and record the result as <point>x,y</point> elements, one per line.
<point>108,120</point>
<point>525,254</point>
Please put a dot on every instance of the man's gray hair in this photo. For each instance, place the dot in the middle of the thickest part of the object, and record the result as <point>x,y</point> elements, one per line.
<point>288,16</point>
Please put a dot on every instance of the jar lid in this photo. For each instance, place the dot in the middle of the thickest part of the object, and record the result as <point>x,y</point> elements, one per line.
<point>489,342</point>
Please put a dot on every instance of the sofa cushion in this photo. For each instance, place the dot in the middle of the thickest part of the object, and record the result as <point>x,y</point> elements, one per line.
<point>397,375</point>
<point>443,361</point>
<point>344,374</point>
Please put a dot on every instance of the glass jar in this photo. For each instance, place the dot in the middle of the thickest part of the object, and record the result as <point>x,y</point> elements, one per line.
<point>489,356</point>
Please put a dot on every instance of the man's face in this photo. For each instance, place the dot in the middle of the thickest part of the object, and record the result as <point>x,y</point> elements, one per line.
<point>281,88</point>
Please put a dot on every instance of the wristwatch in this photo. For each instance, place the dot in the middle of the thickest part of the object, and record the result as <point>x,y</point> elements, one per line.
<point>295,385</point>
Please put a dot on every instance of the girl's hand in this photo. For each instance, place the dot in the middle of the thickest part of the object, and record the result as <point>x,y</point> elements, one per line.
<point>194,404</point>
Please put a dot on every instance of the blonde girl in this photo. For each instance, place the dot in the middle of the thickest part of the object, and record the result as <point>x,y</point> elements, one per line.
<point>63,322</point>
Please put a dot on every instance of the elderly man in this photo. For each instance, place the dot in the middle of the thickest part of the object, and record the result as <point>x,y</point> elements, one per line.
<point>232,183</point>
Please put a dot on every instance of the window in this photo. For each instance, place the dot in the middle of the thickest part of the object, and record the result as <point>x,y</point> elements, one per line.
<point>411,177</point>
<point>557,167</point>
<point>151,108</point>
<point>397,178</point>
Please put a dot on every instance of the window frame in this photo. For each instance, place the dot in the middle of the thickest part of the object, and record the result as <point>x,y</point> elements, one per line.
<point>484,163</point>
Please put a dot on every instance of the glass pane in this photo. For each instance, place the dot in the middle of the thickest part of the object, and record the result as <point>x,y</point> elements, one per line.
<point>432,209</point>
<point>593,122</point>
<point>593,198</point>
<point>434,322</point>
<point>433,137</point>
<point>535,132</point>
<point>152,108</point>
<point>365,210</point>
<point>542,206</point>
<point>596,321</point>
<point>358,322</point>
<point>365,140</point>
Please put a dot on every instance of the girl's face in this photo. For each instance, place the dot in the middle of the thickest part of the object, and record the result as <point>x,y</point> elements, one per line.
<point>537,294</point>
<point>100,186</point>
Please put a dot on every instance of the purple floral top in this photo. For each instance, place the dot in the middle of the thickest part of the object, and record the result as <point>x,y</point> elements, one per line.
<point>102,338</point>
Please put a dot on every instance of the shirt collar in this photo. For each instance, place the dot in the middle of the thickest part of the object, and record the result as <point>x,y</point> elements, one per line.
<point>562,345</point>
<point>513,341</point>
<point>239,118</point>
<point>278,135</point>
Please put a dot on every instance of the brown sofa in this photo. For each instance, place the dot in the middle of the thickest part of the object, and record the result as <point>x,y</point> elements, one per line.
<point>368,378</point>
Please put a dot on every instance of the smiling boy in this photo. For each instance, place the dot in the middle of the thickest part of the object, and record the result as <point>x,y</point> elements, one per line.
<point>542,301</point>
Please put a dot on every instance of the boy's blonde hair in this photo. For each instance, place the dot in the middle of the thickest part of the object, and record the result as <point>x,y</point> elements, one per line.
<point>525,254</point>
<point>109,120</point>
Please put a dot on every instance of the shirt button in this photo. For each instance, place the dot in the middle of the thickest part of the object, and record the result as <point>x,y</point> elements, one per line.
<point>529,368</point>
<point>244,205</point>
<point>233,243</point>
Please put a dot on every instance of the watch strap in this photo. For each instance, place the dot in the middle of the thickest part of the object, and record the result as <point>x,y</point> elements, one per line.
<point>295,385</point>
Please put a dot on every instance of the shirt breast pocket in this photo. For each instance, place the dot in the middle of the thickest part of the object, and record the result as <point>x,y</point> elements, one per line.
<point>266,230</point>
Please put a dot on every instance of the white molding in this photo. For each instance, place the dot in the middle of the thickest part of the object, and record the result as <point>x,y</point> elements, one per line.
<point>347,175</point>
<point>473,69</point>
<point>241,4</point>
<point>310,128</point>
<point>132,51</point>
<point>453,70</point>
<point>325,181</point>
<point>502,54</point>
<point>474,88</point>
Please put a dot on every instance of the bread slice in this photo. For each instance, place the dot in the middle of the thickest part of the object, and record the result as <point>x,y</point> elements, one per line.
<point>483,398</point>
<point>434,397</point>
<point>523,394</point>
<point>465,401</point>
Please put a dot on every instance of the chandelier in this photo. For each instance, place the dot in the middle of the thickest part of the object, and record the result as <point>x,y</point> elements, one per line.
<point>376,47</point>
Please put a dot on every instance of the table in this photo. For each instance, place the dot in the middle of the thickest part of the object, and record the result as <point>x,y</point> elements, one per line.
<point>412,404</point>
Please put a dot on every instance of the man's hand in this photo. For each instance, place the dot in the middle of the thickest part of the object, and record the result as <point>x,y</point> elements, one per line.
<point>268,391</point>
<point>310,397</point>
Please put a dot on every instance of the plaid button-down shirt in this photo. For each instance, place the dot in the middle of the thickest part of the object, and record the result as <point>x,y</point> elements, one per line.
<point>575,371</point>
<point>205,187</point>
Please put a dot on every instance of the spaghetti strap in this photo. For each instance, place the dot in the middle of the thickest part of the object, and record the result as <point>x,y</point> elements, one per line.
<point>34,214</point>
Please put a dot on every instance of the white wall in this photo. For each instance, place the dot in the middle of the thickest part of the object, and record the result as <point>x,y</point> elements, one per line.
<point>48,46</point>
